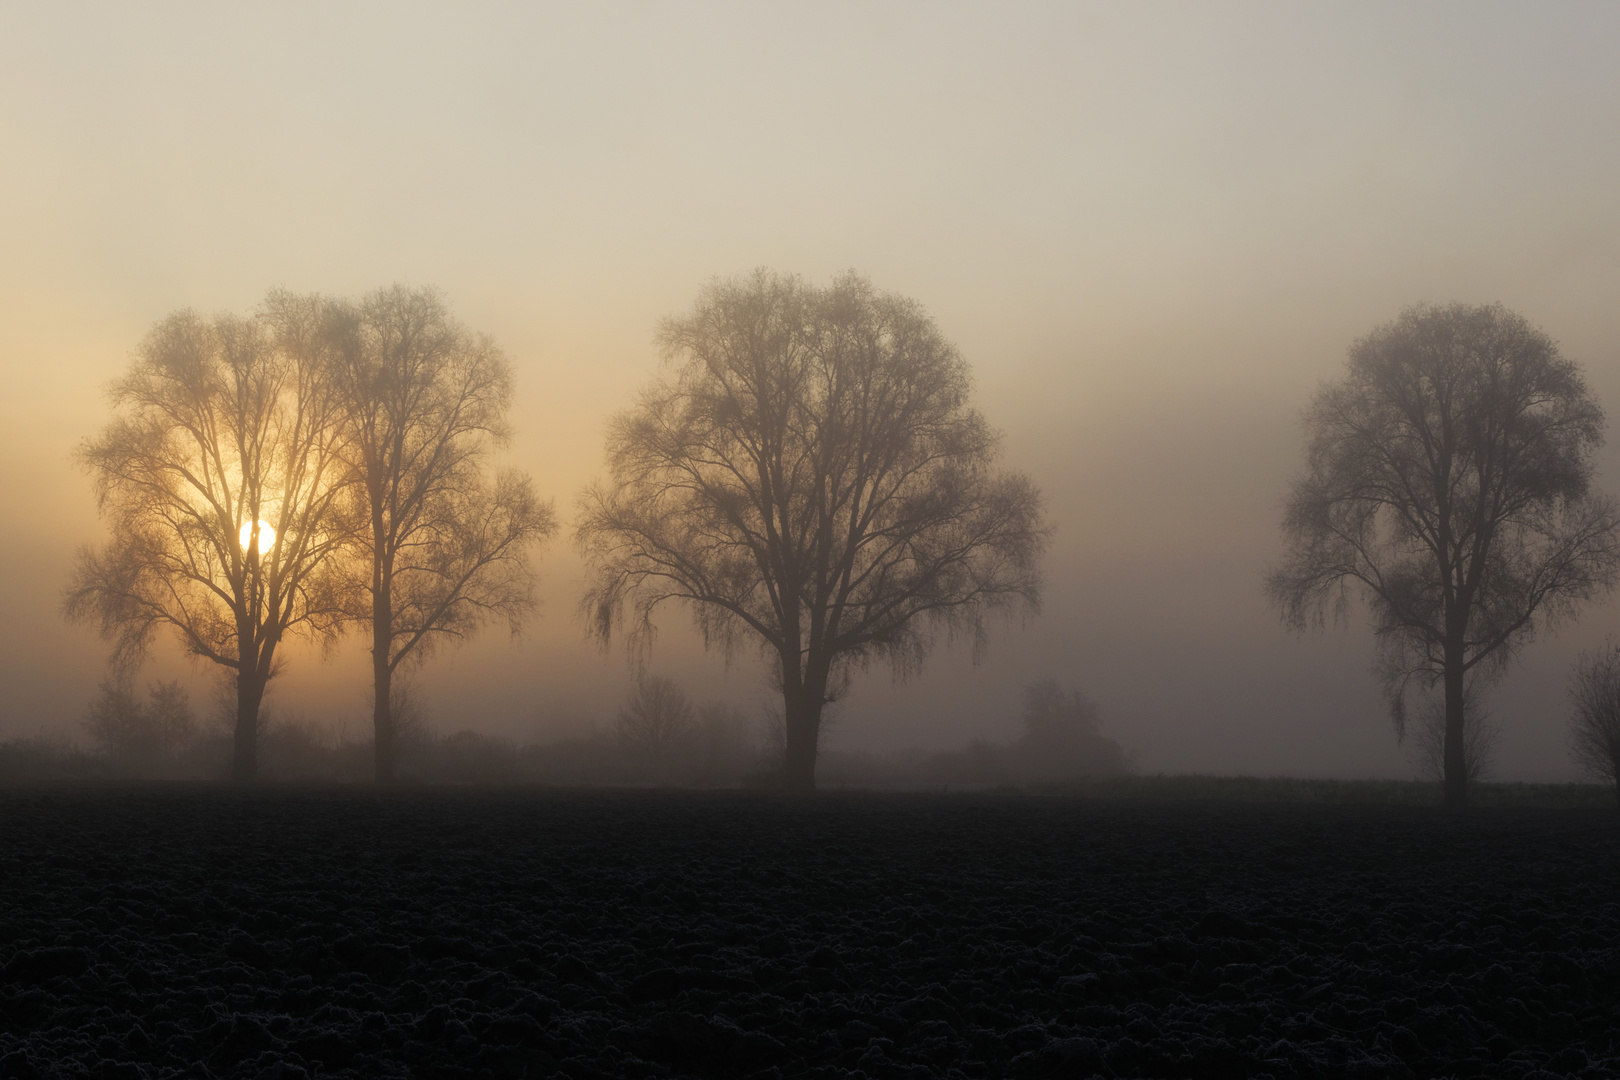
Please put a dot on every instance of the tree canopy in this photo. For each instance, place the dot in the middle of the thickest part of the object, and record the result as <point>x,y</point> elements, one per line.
<point>311,466</point>
<point>219,478</point>
<point>439,545</point>
<point>810,474</point>
<point>1448,483</point>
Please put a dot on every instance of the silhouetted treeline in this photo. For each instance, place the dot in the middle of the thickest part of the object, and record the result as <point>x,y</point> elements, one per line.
<point>1061,741</point>
<point>298,751</point>
<point>659,738</point>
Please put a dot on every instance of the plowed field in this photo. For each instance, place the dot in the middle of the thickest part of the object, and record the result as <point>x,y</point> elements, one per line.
<point>203,932</point>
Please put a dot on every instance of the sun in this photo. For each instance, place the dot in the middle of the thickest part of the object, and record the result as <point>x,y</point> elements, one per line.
<point>267,536</point>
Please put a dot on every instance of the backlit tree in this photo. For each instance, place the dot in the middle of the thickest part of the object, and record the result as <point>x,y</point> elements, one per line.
<point>442,543</point>
<point>811,475</point>
<point>218,478</point>
<point>1448,483</point>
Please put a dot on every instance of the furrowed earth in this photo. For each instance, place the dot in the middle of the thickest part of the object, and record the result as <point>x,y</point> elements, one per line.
<point>458,933</point>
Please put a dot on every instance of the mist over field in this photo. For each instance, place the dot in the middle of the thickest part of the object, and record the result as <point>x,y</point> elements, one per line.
<point>1152,231</point>
<point>790,541</point>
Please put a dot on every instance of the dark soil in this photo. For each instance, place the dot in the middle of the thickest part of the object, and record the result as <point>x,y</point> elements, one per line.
<point>205,932</point>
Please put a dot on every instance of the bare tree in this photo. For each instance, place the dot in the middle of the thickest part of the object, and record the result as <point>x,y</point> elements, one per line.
<point>814,476</point>
<point>218,478</point>
<point>1062,740</point>
<point>1594,730</point>
<point>1448,482</point>
<point>1053,716</point>
<point>442,546</point>
<point>1063,736</point>
<point>137,732</point>
<point>656,718</point>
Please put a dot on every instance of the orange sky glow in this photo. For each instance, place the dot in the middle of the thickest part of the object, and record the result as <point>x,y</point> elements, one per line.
<point>1152,229</point>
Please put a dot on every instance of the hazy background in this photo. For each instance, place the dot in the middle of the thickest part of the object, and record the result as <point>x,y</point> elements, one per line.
<point>1153,229</point>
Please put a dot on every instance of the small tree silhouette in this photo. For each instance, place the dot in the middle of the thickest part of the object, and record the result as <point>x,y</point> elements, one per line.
<point>141,733</point>
<point>1063,736</point>
<point>1594,730</point>
<point>656,718</point>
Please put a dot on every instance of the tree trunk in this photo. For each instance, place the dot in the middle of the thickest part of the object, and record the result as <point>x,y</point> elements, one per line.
<point>382,719</point>
<point>249,695</point>
<point>1456,758</point>
<point>802,709</point>
<point>382,685</point>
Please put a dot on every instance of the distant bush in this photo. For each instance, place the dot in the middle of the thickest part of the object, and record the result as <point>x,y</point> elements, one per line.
<point>1062,739</point>
<point>656,722</point>
<point>138,737</point>
<point>708,747</point>
<point>291,748</point>
<point>1594,729</point>
<point>463,757</point>
<point>1288,789</point>
<point>44,758</point>
<point>718,749</point>
<point>159,738</point>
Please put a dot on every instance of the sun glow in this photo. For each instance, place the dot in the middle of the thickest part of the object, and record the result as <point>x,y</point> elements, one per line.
<point>267,536</point>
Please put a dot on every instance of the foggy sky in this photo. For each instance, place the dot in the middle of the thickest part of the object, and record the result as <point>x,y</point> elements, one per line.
<point>1152,229</point>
